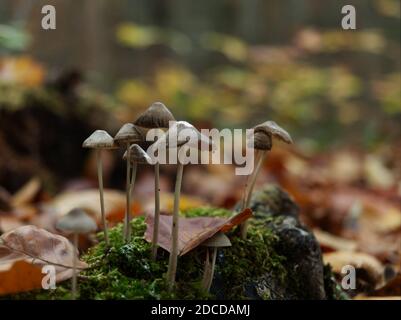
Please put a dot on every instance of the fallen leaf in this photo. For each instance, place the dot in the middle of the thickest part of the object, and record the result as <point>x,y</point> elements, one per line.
<point>377,174</point>
<point>5,200</point>
<point>9,223</point>
<point>192,231</point>
<point>88,200</point>
<point>391,287</point>
<point>27,193</point>
<point>330,242</point>
<point>373,267</point>
<point>381,216</point>
<point>19,276</point>
<point>363,297</point>
<point>25,250</point>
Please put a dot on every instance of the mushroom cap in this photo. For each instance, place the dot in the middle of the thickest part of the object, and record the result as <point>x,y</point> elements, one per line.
<point>219,240</point>
<point>128,133</point>
<point>156,116</point>
<point>76,221</point>
<point>261,141</point>
<point>273,129</point>
<point>138,155</point>
<point>99,139</point>
<point>191,137</point>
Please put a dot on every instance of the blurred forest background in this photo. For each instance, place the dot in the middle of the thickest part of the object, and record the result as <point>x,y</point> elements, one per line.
<point>223,64</point>
<point>227,63</point>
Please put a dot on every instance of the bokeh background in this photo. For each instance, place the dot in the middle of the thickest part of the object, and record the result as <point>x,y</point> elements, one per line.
<point>223,64</point>
<point>229,62</point>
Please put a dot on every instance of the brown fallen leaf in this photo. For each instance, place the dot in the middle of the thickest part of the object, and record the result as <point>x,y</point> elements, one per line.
<point>19,277</point>
<point>27,193</point>
<point>363,297</point>
<point>391,287</point>
<point>25,250</point>
<point>337,204</point>
<point>381,217</point>
<point>192,231</point>
<point>88,200</point>
<point>9,223</point>
<point>330,242</point>
<point>5,200</point>
<point>373,267</point>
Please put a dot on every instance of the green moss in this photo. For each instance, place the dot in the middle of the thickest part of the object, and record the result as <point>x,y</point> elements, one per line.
<point>333,289</point>
<point>125,271</point>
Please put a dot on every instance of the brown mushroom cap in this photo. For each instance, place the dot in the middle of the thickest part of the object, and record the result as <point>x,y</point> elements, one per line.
<point>138,155</point>
<point>156,116</point>
<point>128,133</point>
<point>273,129</point>
<point>219,240</point>
<point>191,137</point>
<point>99,139</point>
<point>261,141</point>
<point>76,221</point>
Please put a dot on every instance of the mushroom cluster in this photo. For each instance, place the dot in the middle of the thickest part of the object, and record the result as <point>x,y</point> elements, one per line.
<point>132,137</point>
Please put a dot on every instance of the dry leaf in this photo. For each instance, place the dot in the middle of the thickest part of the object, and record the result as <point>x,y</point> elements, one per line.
<point>192,231</point>
<point>330,242</point>
<point>19,277</point>
<point>27,193</point>
<point>8,223</point>
<point>363,297</point>
<point>359,260</point>
<point>23,252</point>
<point>5,200</point>
<point>391,287</point>
<point>88,200</point>
<point>381,216</point>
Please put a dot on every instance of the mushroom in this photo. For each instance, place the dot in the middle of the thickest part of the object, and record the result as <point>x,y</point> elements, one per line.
<point>219,240</point>
<point>100,140</point>
<point>137,156</point>
<point>193,139</point>
<point>263,142</point>
<point>127,135</point>
<point>76,222</point>
<point>157,116</point>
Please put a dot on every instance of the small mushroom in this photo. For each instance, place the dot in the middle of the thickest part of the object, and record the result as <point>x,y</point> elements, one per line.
<point>219,240</point>
<point>157,116</point>
<point>137,156</point>
<point>100,140</point>
<point>127,135</point>
<point>193,139</point>
<point>76,222</point>
<point>263,135</point>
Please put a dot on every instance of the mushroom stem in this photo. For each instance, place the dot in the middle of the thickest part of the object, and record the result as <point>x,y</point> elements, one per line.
<point>211,274</point>
<point>100,178</point>
<point>206,270</point>
<point>133,178</point>
<point>243,200</point>
<point>127,233</point>
<point>74,268</point>
<point>157,212</point>
<point>262,156</point>
<point>172,265</point>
